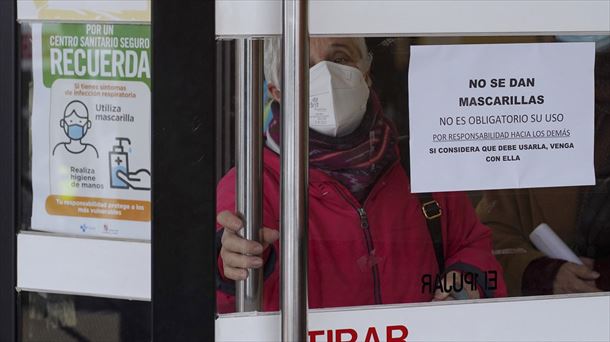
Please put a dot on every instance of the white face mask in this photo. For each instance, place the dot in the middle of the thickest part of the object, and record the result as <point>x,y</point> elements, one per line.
<point>338,95</point>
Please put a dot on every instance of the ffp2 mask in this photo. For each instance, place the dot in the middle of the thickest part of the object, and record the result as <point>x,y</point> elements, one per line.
<point>338,96</point>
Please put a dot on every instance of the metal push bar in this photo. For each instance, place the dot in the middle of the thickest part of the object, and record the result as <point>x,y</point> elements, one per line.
<point>249,191</point>
<point>294,168</point>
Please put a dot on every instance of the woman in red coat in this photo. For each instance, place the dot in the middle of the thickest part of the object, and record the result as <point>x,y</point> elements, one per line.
<point>369,242</point>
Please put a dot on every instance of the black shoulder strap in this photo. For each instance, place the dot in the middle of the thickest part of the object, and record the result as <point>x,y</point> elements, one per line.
<point>432,213</point>
<point>430,209</point>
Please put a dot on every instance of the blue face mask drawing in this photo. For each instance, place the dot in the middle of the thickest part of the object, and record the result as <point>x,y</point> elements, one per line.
<point>76,132</point>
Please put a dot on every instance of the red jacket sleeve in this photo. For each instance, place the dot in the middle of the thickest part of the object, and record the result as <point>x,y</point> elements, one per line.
<point>468,246</point>
<point>225,200</point>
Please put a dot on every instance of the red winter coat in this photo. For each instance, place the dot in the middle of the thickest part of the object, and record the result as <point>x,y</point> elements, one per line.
<point>352,264</point>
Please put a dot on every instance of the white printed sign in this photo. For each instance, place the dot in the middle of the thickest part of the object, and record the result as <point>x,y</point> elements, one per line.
<point>501,116</point>
<point>91,129</point>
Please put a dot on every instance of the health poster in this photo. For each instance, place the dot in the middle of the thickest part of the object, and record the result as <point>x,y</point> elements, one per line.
<point>501,116</point>
<point>91,129</point>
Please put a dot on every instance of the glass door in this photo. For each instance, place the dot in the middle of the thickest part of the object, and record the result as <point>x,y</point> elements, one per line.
<point>455,215</point>
<point>83,246</point>
<point>106,174</point>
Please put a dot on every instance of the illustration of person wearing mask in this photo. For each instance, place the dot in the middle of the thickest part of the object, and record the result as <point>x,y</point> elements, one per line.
<point>371,240</point>
<point>75,124</point>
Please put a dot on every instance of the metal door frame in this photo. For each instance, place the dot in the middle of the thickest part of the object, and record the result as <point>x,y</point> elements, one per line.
<point>8,169</point>
<point>183,164</point>
<point>183,155</point>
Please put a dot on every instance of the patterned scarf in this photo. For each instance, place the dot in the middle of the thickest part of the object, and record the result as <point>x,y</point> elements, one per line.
<point>355,160</point>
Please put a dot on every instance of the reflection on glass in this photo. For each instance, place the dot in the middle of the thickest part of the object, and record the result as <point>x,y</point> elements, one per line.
<point>25,155</point>
<point>61,318</point>
<point>45,317</point>
<point>370,239</point>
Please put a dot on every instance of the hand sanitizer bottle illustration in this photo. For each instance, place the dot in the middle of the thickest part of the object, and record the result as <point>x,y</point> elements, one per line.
<point>119,161</point>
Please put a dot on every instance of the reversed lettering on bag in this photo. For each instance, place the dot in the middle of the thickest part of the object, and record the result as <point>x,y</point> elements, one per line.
<point>458,281</point>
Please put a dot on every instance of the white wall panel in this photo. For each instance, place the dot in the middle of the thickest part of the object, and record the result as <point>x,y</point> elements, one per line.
<point>419,17</point>
<point>574,318</point>
<point>253,17</point>
<point>83,266</point>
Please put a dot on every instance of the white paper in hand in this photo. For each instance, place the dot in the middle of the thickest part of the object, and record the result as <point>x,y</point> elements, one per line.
<point>545,239</point>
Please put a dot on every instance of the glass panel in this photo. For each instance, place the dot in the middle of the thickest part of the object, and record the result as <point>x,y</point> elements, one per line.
<point>25,155</point>
<point>46,117</point>
<point>85,129</point>
<point>64,318</point>
<point>369,242</point>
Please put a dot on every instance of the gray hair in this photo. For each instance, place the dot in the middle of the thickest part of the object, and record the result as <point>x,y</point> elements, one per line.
<point>273,58</point>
